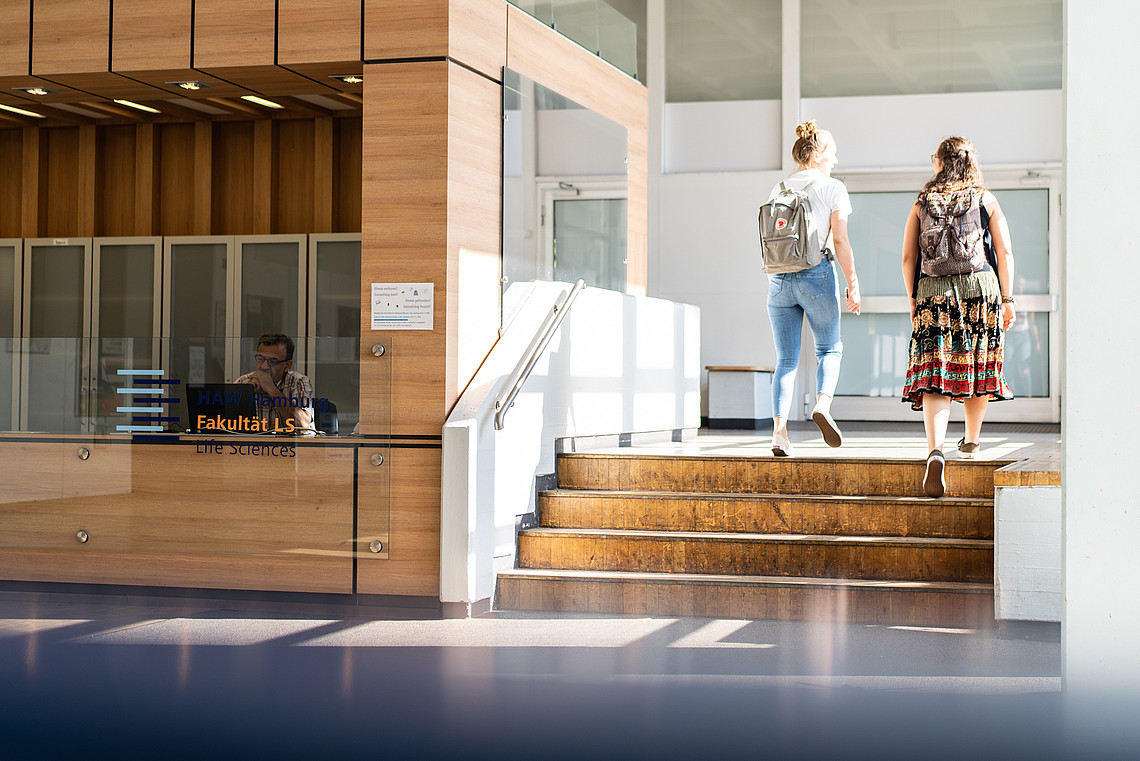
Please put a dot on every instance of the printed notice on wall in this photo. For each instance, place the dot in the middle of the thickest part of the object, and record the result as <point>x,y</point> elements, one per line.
<point>402,306</point>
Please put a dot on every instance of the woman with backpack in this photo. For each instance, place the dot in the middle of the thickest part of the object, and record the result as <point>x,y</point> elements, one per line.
<point>957,266</point>
<point>811,292</point>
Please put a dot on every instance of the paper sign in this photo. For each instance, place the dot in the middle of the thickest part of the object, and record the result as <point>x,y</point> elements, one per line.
<point>403,306</point>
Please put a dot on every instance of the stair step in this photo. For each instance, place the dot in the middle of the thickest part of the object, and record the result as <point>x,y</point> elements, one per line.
<point>969,518</point>
<point>783,475</point>
<point>760,597</point>
<point>825,556</point>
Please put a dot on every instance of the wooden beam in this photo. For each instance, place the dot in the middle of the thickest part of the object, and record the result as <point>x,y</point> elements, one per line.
<point>33,171</point>
<point>146,180</point>
<point>264,174</point>
<point>85,180</point>
<point>323,175</point>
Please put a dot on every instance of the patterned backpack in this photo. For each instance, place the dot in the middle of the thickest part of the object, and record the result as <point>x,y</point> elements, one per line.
<point>951,234</point>
<point>786,232</point>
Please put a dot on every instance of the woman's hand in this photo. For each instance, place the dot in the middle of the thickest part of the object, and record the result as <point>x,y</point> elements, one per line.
<point>1008,315</point>
<point>853,298</point>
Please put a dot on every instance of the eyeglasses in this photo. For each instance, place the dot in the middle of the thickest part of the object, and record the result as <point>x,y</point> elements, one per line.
<point>933,156</point>
<point>271,361</point>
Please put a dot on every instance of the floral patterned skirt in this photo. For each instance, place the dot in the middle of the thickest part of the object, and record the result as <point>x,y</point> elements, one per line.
<point>957,344</point>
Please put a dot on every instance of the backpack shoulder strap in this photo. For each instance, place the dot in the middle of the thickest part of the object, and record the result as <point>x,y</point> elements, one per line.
<point>805,188</point>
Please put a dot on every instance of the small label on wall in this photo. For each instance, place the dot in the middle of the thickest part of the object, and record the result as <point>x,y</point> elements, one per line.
<point>403,306</point>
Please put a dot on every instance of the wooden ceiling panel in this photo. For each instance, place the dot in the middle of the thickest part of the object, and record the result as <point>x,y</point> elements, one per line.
<point>151,34</point>
<point>272,80</point>
<point>108,85</point>
<point>324,73</point>
<point>62,93</point>
<point>217,87</point>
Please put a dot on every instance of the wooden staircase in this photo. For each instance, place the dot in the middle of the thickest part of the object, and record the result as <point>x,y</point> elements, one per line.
<point>759,537</point>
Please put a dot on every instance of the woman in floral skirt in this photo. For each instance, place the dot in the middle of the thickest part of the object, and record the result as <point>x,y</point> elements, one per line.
<point>959,320</point>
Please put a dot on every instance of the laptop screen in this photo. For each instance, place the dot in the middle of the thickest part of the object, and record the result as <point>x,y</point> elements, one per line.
<point>223,407</point>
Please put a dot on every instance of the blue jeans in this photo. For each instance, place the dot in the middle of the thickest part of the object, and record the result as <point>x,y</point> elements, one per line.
<point>792,295</point>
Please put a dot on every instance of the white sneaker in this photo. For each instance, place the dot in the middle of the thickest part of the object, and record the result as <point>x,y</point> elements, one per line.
<point>934,480</point>
<point>781,447</point>
<point>831,435</point>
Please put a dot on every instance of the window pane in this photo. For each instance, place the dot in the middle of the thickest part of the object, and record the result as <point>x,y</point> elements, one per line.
<point>1027,354</point>
<point>875,349</point>
<point>335,370</point>
<point>269,281</point>
<point>54,356</point>
<point>1027,213</point>
<point>728,50</point>
<point>887,47</point>
<point>589,242</point>
<point>875,228</point>
<point>198,312</point>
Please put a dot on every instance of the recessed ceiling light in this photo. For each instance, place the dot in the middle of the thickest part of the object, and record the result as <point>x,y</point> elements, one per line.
<point>191,85</point>
<point>348,79</point>
<point>36,90</point>
<point>21,111</point>
<point>139,106</point>
<point>261,101</point>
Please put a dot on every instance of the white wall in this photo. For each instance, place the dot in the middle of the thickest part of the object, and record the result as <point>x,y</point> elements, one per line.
<point>1027,553</point>
<point>707,250</point>
<point>619,364</point>
<point>1100,451</point>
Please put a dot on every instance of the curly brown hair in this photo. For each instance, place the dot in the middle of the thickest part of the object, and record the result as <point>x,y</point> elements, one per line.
<point>960,168</point>
<point>810,139</point>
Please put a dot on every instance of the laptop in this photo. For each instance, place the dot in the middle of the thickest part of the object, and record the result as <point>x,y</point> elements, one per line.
<point>222,408</point>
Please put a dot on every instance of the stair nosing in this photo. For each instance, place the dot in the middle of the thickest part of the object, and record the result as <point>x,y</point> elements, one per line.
<point>916,461</point>
<point>765,496</point>
<point>971,587</point>
<point>739,536</point>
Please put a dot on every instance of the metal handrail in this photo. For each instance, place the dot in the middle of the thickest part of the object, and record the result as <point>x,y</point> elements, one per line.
<point>522,371</point>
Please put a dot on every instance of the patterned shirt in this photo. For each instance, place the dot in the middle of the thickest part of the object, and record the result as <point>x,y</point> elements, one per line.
<point>297,390</point>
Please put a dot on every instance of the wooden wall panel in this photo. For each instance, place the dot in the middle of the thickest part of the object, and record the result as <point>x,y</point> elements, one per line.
<point>234,34</point>
<point>86,161</point>
<point>60,215</point>
<point>33,194</point>
<point>404,218</point>
<point>115,178</point>
<point>474,221</point>
<point>347,171</point>
<point>203,177</point>
<point>322,176</point>
<point>478,35</point>
<point>176,180</point>
<point>318,31</point>
<point>11,182</point>
<point>234,186</point>
<point>296,180</point>
<point>71,37</point>
<point>147,181</point>
<point>15,38</point>
<point>151,34</point>
<point>410,510</point>
<point>537,52</point>
<point>399,29</point>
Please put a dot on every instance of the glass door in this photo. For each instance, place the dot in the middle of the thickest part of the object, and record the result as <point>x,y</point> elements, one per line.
<point>584,228</point>
<point>876,343</point>
<point>127,273</point>
<point>11,265</point>
<point>55,368</point>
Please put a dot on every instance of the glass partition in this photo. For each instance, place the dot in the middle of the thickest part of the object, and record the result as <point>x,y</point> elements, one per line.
<point>593,24</point>
<point>564,189</point>
<point>271,287</point>
<point>334,317</point>
<point>196,294</point>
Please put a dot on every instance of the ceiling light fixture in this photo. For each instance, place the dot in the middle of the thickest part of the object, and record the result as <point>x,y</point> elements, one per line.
<point>348,79</point>
<point>191,85</point>
<point>261,101</point>
<point>21,111</point>
<point>36,90</point>
<point>139,106</point>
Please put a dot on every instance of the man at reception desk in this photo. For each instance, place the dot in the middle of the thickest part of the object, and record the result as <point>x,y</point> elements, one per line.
<point>284,398</point>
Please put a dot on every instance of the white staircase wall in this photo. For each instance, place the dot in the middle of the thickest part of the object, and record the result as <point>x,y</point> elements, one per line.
<point>618,364</point>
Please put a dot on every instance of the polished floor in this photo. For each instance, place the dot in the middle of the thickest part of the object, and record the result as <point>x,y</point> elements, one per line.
<point>98,673</point>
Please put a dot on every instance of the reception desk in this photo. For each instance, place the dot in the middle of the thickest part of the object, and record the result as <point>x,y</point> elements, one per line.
<point>241,513</point>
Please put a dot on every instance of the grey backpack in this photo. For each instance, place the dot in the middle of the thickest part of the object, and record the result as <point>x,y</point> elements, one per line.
<point>787,230</point>
<point>951,235</point>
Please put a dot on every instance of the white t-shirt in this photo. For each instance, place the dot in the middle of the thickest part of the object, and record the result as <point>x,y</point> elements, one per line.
<point>825,196</point>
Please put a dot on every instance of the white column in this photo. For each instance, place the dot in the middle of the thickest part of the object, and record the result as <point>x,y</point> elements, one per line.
<point>1101,406</point>
<point>790,81</point>
<point>655,80</point>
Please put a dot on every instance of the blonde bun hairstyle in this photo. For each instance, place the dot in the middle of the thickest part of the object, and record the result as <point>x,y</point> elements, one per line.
<point>809,140</point>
